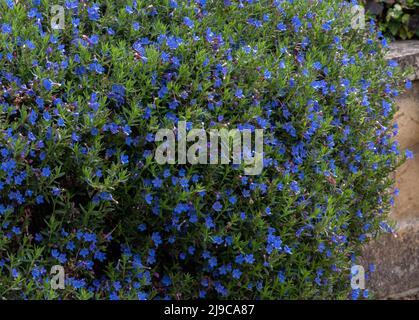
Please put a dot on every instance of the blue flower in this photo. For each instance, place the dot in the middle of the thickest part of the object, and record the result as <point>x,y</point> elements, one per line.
<point>212,262</point>
<point>156,238</point>
<point>287,249</point>
<point>84,252</point>
<point>327,26</point>
<point>93,12</point>
<point>166,281</point>
<point>124,159</point>
<point>294,187</point>
<point>60,122</point>
<point>296,22</point>
<point>173,42</point>
<point>78,284</point>
<point>355,294</point>
<point>249,258</point>
<point>188,22</point>
<point>267,74</point>
<point>218,240</point>
<point>281,276</point>
<point>281,27</point>
<point>236,273</point>
<point>239,94</point>
<point>46,172</point>
<point>47,84</point>
<point>408,85</point>
<point>217,206</point>
<point>142,295</point>
<point>6,28</point>
<point>149,198</point>
<point>99,255</point>
<point>209,223</point>
<point>15,273</point>
<point>142,227</point>
<point>409,154</point>
<point>114,296</point>
<point>39,199</point>
<point>16,230</point>
<point>71,5</point>
<point>70,246</point>
<point>10,4</point>
<point>46,115</point>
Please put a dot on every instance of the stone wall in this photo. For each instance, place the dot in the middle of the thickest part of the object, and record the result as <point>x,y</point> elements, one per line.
<point>396,258</point>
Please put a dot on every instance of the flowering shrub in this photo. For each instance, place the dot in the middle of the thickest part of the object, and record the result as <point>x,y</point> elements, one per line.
<point>398,18</point>
<point>79,184</point>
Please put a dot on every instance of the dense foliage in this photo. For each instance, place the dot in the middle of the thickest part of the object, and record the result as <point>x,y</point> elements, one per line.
<point>80,188</point>
<point>397,18</point>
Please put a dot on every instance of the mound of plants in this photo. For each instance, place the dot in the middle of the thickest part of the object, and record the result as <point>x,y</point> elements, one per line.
<point>80,188</point>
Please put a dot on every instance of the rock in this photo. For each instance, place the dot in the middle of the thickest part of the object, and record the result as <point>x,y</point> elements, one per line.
<point>406,53</point>
<point>396,261</point>
<point>397,258</point>
<point>374,7</point>
<point>408,118</point>
<point>406,208</point>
